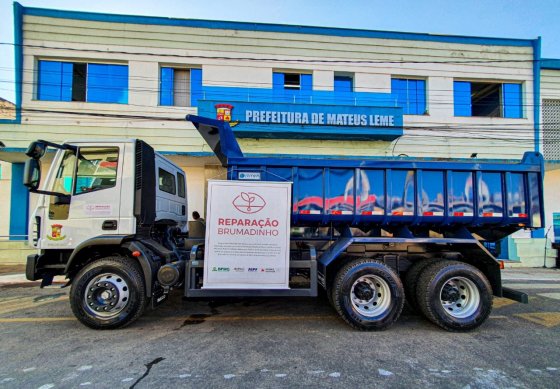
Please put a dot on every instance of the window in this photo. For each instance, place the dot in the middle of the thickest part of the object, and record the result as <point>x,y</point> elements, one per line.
<point>94,83</point>
<point>180,87</point>
<point>292,81</point>
<point>292,87</point>
<point>181,185</point>
<point>344,88</point>
<point>343,84</point>
<point>97,169</point>
<point>487,99</point>
<point>410,95</point>
<point>166,181</point>
<point>63,183</point>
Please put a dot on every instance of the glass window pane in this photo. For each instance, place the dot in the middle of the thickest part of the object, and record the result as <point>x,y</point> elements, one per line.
<point>107,83</point>
<point>196,86</point>
<point>166,86</point>
<point>343,84</point>
<point>54,81</point>
<point>420,97</point>
<point>62,184</point>
<point>512,100</point>
<point>181,185</point>
<point>65,174</point>
<point>97,169</point>
<point>462,98</point>
<point>277,80</point>
<point>410,95</point>
<point>166,181</point>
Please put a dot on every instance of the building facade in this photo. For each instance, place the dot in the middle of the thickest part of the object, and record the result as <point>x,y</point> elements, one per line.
<point>286,90</point>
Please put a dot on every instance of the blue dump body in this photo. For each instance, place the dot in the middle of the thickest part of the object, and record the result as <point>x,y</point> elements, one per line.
<point>491,198</point>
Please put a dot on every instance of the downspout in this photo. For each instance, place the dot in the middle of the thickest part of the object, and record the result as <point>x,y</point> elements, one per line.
<point>537,91</point>
<point>18,51</point>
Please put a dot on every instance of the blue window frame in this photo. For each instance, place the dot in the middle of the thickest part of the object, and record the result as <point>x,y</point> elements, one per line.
<point>96,83</point>
<point>512,98</point>
<point>55,81</point>
<point>410,95</point>
<point>107,83</point>
<point>180,87</point>
<point>343,84</point>
<point>344,88</point>
<point>292,87</point>
<point>488,99</point>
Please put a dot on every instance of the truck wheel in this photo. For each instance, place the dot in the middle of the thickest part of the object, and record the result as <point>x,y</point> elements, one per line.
<point>454,295</point>
<point>411,280</point>
<point>368,295</point>
<point>108,293</point>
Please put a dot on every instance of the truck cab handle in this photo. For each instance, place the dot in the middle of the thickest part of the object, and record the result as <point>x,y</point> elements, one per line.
<point>109,225</point>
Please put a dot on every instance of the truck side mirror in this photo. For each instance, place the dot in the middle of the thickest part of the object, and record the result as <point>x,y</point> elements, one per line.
<point>36,150</point>
<point>32,174</point>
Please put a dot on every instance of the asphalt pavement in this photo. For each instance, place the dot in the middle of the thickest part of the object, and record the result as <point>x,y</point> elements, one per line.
<point>272,343</point>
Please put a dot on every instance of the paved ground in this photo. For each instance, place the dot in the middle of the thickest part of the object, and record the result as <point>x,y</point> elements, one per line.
<point>277,343</point>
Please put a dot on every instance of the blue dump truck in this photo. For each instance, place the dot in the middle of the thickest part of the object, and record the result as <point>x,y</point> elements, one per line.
<point>368,234</point>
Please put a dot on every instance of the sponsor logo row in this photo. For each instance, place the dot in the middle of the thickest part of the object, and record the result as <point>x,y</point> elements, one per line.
<point>226,269</point>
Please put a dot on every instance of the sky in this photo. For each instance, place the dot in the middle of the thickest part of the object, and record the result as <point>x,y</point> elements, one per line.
<point>526,19</point>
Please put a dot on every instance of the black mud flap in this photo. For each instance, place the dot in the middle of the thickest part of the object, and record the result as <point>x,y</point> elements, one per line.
<point>31,267</point>
<point>158,297</point>
<point>515,295</point>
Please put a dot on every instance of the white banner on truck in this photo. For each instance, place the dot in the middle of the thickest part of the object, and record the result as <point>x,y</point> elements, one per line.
<point>247,235</point>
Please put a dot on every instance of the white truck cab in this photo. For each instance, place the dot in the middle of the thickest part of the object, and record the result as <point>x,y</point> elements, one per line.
<point>93,194</point>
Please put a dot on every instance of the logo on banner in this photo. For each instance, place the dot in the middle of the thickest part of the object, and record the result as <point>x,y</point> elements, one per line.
<point>223,112</point>
<point>248,202</point>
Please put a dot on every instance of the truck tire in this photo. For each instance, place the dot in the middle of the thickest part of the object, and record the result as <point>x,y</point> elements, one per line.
<point>108,293</point>
<point>454,295</point>
<point>411,280</point>
<point>368,295</point>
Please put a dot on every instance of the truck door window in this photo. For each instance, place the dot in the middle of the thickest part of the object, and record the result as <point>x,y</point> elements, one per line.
<point>62,184</point>
<point>97,169</point>
<point>166,181</point>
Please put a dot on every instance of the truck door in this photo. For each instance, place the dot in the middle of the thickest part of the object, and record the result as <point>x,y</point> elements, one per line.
<point>92,177</point>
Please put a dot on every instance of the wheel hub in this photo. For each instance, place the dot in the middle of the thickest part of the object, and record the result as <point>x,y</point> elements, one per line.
<point>460,297</point>
<point>363,291</point>
<point>106,295</point>
<point>370,295</point>
<point>450,293</point>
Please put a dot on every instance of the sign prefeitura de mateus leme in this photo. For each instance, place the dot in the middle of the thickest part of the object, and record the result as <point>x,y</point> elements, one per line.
<point>277,120</point>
